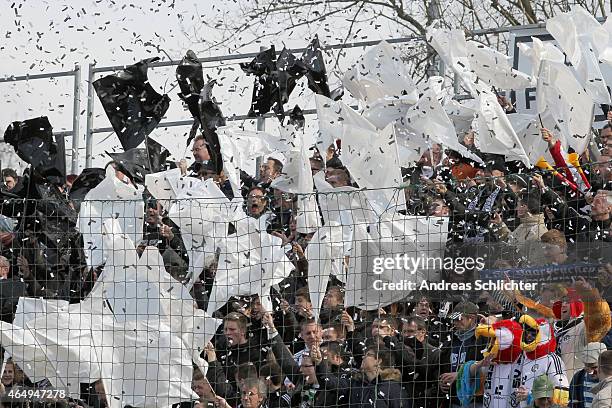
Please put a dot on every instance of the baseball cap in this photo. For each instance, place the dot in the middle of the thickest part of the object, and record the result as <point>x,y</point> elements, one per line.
<point>591,352</point>
<point>462,308</point>
<point>542,388</point>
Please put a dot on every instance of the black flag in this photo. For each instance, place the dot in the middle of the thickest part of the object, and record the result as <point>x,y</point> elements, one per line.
<point>138,162</point>
<point>35,144</point>
<point>197,94</point>
<point>86,181</point>
<point>190,78</point>
<point>296,118</point>
<point>289,70</point>
<point>315,65</point>
<point>133,107</point>
<point>266,94</point>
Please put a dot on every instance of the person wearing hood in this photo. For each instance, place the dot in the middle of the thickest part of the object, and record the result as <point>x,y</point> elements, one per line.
<point>465,347</point>
<point>376,385</point>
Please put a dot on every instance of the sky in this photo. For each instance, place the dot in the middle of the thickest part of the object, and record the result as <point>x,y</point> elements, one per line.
<point>51,36</point>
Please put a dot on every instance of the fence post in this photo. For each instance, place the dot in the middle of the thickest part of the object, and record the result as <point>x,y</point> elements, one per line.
<point>76,115</point>
<point>261,126</point>
<point>90,108</point>
<point>456,80</point>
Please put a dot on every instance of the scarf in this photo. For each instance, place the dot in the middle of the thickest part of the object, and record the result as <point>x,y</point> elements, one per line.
<point>464,335</point>
<point>476,233</point>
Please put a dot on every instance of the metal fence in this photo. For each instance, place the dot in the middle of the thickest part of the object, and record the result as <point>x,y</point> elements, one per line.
<point>76,106</point>
<point>95,71</point>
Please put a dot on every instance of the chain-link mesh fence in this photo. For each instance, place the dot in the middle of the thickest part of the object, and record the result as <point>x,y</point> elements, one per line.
<point>450,291</point>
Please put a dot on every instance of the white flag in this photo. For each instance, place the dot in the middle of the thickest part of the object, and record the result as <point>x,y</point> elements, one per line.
<point>383,111</point>
<point>494,133</point>
<point>138,330</point>
<point>527,128</point>
<point>540,51</point>
<point>462,114</point>
<point>495,69</point>
<point>380,74</point>
<point>430,123</point>
<point>569,104</point>
<point>296,178</point>
<point>333,116</point>
<point>372,159</point>
<point>345,206</point>
<point>578,33</point>
<point>420,239</point>
<point>452,48</point>
<point>604,47</point>
<point>251,261</point>
<point>55,345</point>
<point>325,253</point>
<point>239,146</point>
<point>111,198</point>
<point>165,185</point>
<point>202,212</point>
<point>142,363</point>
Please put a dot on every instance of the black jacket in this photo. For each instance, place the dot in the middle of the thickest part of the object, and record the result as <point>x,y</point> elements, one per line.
<point>461,351</point>
<point>222,373</point>
<point>383,392</point>
<point>421,379</point>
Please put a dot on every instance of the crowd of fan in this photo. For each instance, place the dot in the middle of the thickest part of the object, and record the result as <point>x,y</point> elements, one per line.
<point>407,354</point>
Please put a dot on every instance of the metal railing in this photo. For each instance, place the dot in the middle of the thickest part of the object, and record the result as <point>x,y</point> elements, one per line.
<point>76,106</point>
<point>94,71</point>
